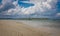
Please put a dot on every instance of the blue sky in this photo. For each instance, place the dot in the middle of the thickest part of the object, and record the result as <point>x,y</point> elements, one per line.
<point>30,8</point>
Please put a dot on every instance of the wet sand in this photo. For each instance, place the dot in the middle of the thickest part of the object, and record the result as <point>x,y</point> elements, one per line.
<point>13,28</point>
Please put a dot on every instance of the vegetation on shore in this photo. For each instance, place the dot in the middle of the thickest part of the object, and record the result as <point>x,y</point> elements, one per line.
<point>26,18</point>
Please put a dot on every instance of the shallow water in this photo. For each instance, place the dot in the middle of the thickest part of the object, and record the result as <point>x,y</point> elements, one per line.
<point>41,23</point>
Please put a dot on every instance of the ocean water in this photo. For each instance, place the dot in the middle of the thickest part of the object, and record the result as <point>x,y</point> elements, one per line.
<point>42,23</point>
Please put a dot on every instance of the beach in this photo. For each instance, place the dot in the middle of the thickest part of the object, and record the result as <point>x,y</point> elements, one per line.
<point>13,28</point>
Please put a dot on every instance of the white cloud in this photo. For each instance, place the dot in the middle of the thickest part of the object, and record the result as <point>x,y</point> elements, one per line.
<point>6,5</point>
<point>58,14</point>
<point>49,0</point>
<point>40,6</point>
<point>46,4</point>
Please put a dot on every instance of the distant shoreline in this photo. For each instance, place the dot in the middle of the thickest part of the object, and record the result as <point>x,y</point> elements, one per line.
<point>30,19</point>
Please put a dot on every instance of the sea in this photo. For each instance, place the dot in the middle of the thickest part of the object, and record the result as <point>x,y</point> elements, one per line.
<point>42,23</point>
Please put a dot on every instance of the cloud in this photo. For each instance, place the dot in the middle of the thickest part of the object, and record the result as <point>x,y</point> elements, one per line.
<point>40,7</point>
<point>6,5</point>
<point>58,14</point>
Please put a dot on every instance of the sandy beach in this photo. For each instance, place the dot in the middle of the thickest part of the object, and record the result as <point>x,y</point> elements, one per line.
<point>13,28</point>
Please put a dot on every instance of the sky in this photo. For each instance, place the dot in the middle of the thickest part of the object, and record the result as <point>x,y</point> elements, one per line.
<point>30,8</point>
